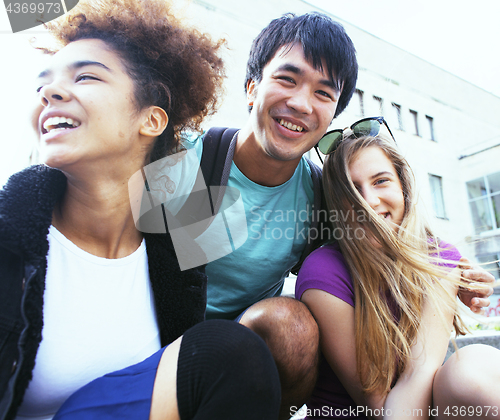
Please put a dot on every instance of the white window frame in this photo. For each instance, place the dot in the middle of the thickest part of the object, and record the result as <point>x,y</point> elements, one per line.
<point>489,199</point>
<point>438,204</point>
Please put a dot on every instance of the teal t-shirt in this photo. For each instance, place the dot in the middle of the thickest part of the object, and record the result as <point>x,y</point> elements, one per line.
<point>278,219</point>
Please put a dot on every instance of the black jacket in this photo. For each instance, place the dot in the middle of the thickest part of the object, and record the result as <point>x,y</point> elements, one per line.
<point>26,205</point>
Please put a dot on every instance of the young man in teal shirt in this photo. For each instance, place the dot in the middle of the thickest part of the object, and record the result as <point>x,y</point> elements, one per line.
<point>301,74</point>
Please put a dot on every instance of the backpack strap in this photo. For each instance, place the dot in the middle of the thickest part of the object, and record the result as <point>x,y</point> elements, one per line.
<point>318,219</point>
<point>218,151</point>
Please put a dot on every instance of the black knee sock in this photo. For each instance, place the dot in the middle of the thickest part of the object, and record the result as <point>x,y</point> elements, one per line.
<point>225,371</point>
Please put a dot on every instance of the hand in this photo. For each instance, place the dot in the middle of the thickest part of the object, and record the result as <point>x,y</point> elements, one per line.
<point>481,287</point>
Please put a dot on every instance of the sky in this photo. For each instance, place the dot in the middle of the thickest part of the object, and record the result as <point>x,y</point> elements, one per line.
<point>460,36</point>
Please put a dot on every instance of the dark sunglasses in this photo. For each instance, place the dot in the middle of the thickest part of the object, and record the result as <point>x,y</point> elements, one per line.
<point>365,127</point>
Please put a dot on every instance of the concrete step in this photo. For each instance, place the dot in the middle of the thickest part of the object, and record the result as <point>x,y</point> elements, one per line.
<point>491,338</point>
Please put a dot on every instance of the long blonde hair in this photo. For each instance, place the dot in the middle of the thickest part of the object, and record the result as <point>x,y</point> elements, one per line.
<point>402,265</point>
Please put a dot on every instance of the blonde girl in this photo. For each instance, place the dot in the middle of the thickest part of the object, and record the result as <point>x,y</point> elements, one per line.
<point>384,295</point>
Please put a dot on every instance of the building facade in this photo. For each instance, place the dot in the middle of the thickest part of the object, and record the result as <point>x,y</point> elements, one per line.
<point>448,129</point>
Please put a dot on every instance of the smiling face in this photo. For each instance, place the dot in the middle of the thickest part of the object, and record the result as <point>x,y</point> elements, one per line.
<point>376,179</point>
<point>88,114</point>
<point>292,106</point>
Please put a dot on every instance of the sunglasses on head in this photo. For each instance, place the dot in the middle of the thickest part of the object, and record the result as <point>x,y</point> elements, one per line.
<point>365,127</point>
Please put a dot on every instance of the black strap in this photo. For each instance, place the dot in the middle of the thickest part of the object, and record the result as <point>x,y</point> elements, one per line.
<point>216,144</point>
<point>218,151</point>
<point>318,219</point>
<point>196,213</point>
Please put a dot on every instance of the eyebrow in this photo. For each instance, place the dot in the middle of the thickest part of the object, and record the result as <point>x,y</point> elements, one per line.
<point>296,70</point>
<point>78,65</point>
<point>382,173</point>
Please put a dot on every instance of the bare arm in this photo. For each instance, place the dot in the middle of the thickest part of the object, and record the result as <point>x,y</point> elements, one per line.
<point>411,397</point>
<point>335,319</point>
<point>412,393</point>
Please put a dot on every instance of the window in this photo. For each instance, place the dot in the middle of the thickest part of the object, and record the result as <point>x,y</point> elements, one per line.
<point>379,105</point>
<point>484,202</point>
<point>414,117</point>
<point>361,106</point>
<point>430,122</point>
<point>397,113</point>
<point>436,183</point>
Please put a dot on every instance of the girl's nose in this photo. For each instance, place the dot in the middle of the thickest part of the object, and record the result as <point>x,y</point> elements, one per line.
<point>53,93</point>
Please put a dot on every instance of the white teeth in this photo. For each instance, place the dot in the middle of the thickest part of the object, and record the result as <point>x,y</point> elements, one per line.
<point>291,126</point>
<point>53,122</point>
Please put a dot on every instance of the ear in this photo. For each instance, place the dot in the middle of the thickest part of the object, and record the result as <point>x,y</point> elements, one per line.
<point>154,123</point>
<point>251,91</point>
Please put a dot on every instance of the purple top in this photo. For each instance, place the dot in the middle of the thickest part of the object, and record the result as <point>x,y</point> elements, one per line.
<point>326,269</point>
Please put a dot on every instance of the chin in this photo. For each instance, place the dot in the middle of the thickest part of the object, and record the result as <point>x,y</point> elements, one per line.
<point>56,162</point>
<point>54,155</point>
<point>284,155</point>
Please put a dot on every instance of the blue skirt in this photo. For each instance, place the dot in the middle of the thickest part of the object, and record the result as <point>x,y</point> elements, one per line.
<point>124,394</point>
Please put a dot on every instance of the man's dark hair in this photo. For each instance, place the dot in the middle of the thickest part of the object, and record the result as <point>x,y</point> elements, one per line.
<point>323,41</point>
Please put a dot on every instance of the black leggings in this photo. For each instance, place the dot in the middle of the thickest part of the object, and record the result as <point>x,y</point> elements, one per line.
<point>226,371</point>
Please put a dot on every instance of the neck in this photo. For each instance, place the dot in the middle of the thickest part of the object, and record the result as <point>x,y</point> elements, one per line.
<point>96,216</point>
<point>257,165</point>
